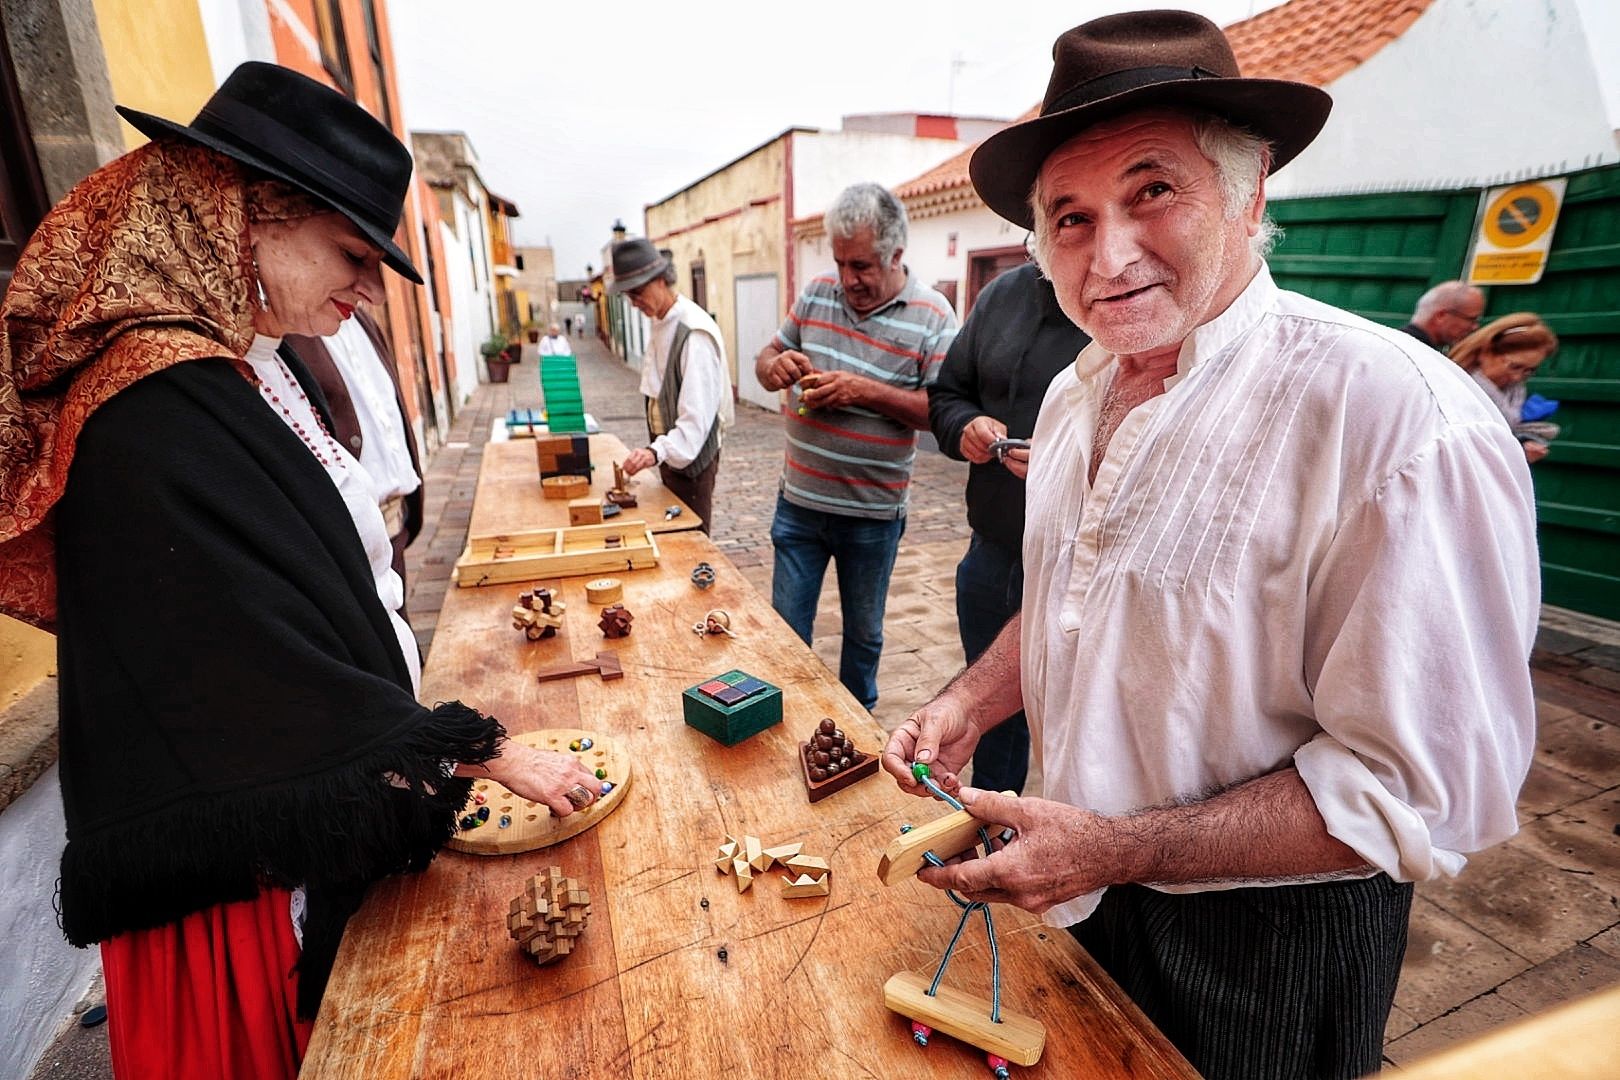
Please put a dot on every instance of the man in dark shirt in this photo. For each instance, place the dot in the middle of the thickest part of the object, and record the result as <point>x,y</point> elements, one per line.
<point>990,387</point>
<point>1446,314</point>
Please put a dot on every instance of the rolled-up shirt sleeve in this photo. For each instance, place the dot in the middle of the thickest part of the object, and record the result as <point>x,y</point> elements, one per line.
<point>1423,614</point>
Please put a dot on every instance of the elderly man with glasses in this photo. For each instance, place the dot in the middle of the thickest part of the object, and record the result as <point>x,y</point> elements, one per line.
<point>1446,314</point>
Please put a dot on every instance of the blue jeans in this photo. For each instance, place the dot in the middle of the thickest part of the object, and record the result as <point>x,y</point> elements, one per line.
<point>989,591</point>
<point>864,550</point>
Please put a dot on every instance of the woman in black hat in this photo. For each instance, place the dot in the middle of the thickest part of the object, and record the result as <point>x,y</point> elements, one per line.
<point>242,749</point>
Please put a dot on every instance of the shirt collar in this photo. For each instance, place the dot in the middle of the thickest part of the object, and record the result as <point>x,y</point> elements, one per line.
<point>1207,339</point>
<point>904,296</point>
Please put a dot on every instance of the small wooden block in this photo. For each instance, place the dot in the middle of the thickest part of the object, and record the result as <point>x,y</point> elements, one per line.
<point>946,837</point>
<point>728,855</point>
<point>754,852</point>
<point>586,511</point>
<point>807,864</point>
<point>604,591</point>
<point>1018,1038</point>
<point>565,487</point>
<point>805,885</point>
<point>783,852</point>
<point>745,874</point>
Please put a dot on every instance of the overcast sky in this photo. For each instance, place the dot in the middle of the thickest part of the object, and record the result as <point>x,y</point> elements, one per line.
<point>585,112</point>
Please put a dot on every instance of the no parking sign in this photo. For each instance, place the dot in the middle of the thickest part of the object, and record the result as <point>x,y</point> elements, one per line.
<point>1515,233</point>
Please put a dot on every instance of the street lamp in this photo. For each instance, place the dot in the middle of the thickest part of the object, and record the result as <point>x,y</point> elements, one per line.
<point>618,230</point>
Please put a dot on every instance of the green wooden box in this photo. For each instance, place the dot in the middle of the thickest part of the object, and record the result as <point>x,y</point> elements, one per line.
<point>730,722</point>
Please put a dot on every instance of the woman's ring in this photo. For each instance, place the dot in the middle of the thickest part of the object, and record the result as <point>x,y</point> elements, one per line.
<point>579,797</point>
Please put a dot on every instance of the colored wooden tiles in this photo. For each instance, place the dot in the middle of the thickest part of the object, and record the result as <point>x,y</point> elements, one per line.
<point>731,707</point>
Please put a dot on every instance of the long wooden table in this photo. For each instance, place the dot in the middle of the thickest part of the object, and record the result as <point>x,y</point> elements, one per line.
<point>508,499</point>
<point>428,984</point>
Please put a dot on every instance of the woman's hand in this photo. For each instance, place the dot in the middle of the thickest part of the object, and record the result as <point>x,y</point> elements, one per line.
<point>545,776</point>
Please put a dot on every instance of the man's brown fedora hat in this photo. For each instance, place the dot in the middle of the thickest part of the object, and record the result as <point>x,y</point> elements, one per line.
<point>1132,61</point>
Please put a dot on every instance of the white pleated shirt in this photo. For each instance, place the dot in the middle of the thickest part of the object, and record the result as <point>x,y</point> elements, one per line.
<point>1317,548</point>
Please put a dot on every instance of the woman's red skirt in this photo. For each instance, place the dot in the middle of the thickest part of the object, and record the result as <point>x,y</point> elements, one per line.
<point>211,997</point>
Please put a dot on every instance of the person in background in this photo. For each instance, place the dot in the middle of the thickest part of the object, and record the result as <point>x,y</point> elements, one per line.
<point>1281,583</point>
<point>242,749</point>
<point>857,352</point>
<point>1501,356</point>
<point>555,343</point>
<point>684,378</point>
<point>1015,340</point>
<point>1445,314</point>
<point>355,370</point>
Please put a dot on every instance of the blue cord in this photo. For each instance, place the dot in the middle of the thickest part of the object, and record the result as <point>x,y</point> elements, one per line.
<point>968,908</point>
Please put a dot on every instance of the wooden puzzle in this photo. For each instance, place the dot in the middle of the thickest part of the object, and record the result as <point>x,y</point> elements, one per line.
<point>565,486</point>
<point>586,511</point>
<point>749,857</point>
<point>606,665</point>
<point>829,761</point>
<point>551,553</point>
<point>729,708</point>
<point>1007,1037</point>
<point>619,494</point>
<point>615,621</point>
<point>538,615</point>
<point>497,822</point>
<point>561,455</point>
<point>548,916</point>
<point>604,591</point>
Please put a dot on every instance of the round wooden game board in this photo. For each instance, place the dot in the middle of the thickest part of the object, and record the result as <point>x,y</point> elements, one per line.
<point>533,825</point>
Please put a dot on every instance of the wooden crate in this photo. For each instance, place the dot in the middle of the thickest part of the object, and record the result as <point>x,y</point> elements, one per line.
<point>554,553</point>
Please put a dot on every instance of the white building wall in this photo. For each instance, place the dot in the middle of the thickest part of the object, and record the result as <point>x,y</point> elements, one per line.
<point>44,976</point>
<point>826,162</point>
<point>928,254</point>
<point>1473,91</point>
<point>464,307</point>
<point>237,31</point>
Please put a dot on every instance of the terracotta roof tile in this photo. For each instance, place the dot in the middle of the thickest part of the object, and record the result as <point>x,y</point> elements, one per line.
<point>1313,41</point>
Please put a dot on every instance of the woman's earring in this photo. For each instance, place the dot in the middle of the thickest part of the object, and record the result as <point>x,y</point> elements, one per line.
<point>258,280</point>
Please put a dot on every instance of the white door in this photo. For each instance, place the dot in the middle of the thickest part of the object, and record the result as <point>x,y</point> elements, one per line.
<point>758,317</point>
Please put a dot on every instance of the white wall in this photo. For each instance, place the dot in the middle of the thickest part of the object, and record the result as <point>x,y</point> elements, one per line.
<point>237,31</point>
<point>927,247</point>
<point>826,162</point>
<point>44,976</point>
<point>1473,91</point>
<point>1600,22</point>
<point>464,309</point>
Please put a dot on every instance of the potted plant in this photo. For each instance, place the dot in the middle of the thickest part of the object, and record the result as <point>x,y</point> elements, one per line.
<point>497,357</point>
<point>532,329</point>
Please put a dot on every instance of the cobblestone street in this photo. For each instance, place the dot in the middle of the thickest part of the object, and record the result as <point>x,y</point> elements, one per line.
<point>1530,924</point>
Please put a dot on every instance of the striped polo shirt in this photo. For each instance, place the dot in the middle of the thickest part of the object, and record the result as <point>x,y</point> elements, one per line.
<point>854,460</point>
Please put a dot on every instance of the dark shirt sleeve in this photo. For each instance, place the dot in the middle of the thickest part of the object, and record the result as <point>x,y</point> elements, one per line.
<point>953,398</point>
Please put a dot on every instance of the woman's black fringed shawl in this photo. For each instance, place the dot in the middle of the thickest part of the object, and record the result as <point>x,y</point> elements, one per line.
<point>234,703</point>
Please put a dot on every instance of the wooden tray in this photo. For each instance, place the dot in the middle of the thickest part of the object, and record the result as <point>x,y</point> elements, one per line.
<point>552,553</point>
<point>533,826</point>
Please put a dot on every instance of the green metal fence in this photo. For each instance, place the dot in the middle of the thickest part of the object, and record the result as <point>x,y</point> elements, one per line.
<point>1376,254</point>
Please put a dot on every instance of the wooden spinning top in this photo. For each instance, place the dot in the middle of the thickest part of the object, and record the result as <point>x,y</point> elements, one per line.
<point>604,590</point>
<point>546,917</point>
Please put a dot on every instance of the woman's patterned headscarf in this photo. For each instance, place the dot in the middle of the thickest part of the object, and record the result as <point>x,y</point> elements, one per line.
<point>145,264</point>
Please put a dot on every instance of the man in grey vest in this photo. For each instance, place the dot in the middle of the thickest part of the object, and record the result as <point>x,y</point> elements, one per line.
<point>689,402</point>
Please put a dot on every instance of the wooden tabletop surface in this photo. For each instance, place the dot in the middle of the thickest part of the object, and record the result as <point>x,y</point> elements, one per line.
<point>509,499</point>
<point>428,984</point>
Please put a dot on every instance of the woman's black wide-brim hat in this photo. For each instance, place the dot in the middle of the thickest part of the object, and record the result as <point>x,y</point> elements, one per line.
<point>1139,60</point>
<point>293,128</point>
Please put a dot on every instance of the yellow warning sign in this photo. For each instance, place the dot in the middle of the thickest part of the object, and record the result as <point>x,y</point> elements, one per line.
<point>1515,233</point>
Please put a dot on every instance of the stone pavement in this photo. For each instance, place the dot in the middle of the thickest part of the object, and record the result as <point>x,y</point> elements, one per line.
<point>1530,924</point>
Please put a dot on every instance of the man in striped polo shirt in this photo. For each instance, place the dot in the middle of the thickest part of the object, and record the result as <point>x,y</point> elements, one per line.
<point>856,355</point>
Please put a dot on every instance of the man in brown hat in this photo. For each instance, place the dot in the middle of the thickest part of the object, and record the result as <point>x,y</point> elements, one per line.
<point>1281,582</point>
<point>684,378</point>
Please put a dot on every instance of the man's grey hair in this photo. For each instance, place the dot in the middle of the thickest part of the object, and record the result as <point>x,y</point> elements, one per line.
<point>1241,159</point>
<point>869,206</point>
<point>1447,294</point>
